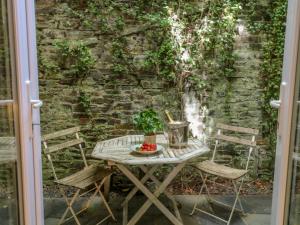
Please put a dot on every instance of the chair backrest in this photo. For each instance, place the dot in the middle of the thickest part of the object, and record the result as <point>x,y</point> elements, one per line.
<point>250,143</point>
<point>49,150</point>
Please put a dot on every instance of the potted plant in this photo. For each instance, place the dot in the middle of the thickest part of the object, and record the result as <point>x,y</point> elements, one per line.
<point>149,122</point>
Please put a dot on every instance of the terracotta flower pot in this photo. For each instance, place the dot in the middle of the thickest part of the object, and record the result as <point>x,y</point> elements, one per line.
<point>150,139</point>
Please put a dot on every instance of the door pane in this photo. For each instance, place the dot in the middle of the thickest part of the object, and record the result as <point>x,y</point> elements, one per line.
<point>8,162</point>
<point>294,212</point>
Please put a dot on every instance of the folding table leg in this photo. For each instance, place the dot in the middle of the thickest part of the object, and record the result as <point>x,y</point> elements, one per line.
<point>155,180</point>
<point>125,213</point>
<point>172,199</point>
<point>153,198</point>
<point>143,180</point>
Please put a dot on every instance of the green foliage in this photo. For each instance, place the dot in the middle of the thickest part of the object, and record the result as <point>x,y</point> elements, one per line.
<point>75,57</point>
<point>272,61</point>
<point>163,60</point>
<point>121,57</point>
<point>271,68</point>
<point>207,33</point>
<point>148,121</point>
<point>85,102</point>
<point>47,67</point>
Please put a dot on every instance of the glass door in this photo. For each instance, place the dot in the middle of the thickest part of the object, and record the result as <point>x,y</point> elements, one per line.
<point>294,190</point>
<point>20,179</point>
<point>286,193</point>
<point>9,198</point>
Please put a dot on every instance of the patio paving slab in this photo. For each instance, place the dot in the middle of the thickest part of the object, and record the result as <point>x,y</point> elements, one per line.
<point>257,208</point>
<point>257,219</point>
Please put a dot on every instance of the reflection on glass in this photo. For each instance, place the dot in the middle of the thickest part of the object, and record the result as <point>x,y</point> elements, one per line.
<point>8,162</point>
<point>5,71</point>
<point>294,217</point>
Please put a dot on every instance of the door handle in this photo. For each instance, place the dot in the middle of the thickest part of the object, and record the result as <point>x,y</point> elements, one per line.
<point>275,104</point>
<point>34,104</point>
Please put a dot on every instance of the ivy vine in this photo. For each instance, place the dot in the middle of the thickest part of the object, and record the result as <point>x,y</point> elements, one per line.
<point>187,44</point>
<point>76,58</point>
<point>272,24</point>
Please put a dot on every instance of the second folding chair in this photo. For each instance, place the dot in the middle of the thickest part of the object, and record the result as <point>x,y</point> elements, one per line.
<point>88,179</point>
<point>210,169</point>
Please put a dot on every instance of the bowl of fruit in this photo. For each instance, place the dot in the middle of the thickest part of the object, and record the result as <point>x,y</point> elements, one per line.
<point>146,149</point>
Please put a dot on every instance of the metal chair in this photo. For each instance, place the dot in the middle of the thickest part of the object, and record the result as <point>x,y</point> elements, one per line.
<point>210,169</point>
<point>87,179</point>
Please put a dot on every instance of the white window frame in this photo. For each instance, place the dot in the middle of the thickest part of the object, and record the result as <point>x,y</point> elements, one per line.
<point>287,94</point>
<point>23,42</point>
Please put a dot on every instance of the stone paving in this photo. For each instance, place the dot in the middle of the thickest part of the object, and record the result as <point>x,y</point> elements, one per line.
<point>257,208</point>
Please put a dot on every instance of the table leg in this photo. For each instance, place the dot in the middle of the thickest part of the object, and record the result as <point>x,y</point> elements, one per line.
<point>106,187</point>
<point>157,182</point>
<point>148,174</point>
<point>125,213</point>
<point>153,197</point>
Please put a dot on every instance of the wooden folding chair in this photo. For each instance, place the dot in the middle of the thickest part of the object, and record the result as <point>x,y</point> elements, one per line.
<point>210,169</point>
<point>87,179</point>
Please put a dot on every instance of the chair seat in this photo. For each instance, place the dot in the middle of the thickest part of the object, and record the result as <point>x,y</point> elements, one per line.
<point>220,170</point>
<point>85,177</point>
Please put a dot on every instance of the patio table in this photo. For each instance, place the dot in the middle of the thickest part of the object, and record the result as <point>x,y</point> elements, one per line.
<point>118,152</point>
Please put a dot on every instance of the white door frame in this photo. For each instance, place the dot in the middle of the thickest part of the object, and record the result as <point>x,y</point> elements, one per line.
<point>280,190</point>
<point>25,65</point>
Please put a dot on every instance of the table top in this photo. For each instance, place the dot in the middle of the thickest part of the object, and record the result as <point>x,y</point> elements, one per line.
<point>7,150</point>
<point>119,150</point>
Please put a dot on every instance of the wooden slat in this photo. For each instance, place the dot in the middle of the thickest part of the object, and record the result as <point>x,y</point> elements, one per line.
<point>85,177</point>
<point>235,140</point>
<point>60,133</point>
<point>221,170</point>
<point>67,144</point>
<point>237,129</point>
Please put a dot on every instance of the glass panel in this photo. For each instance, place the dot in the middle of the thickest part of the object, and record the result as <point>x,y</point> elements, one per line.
<point>294,217</point>
<point>8,166</point>
<point>5,77</point>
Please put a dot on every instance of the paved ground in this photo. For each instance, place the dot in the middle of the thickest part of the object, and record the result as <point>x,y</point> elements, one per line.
<point>258,209</point>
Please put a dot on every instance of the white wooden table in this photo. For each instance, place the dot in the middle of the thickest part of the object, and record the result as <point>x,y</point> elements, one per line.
<point>117,152</point>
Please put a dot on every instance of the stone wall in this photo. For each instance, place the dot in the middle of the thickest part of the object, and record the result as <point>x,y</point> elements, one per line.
<point>238,100</point>
<point>115,99</point>
<point>6,112</point>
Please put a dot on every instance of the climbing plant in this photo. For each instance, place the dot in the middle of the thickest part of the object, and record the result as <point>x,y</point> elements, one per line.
<point>187,39</point>
<point>272,24</point>
<point>76,57</point>
<point>85,102</point>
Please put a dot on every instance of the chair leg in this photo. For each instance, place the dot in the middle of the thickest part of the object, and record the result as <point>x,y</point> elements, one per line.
<point>104,200</point>
<point>239,199</point>
<point>233,207</point>
<point>69,207</point>
<point>235,201</point>
<point>94,194</point>
<point>200,192</point>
